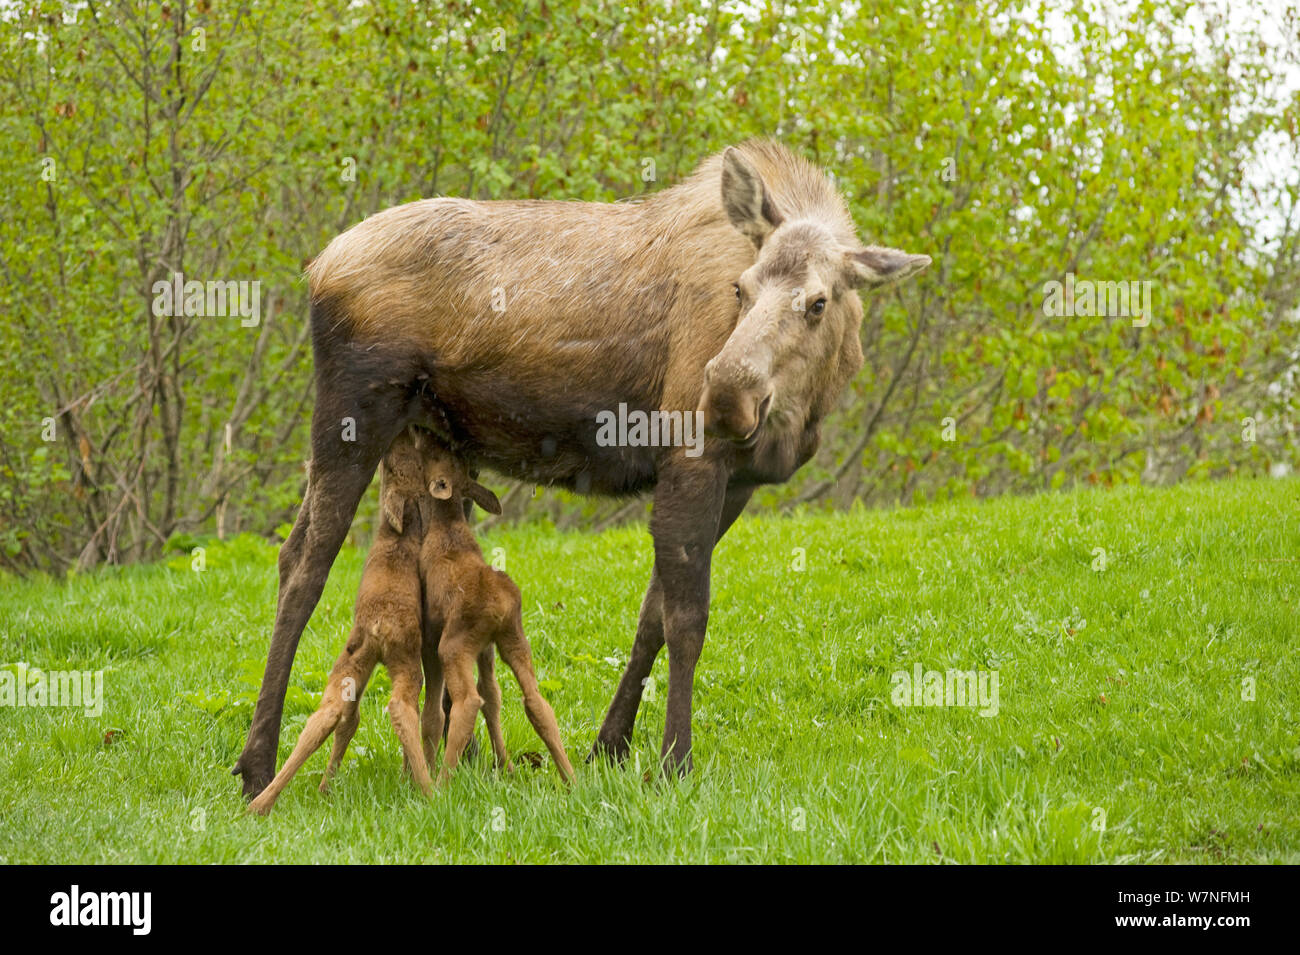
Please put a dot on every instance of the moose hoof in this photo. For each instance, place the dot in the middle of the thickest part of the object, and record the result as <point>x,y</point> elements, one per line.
<point>615,751</point>
<point>253,780</point>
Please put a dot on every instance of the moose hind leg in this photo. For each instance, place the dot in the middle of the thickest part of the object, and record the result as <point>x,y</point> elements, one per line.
<point>349,436</point>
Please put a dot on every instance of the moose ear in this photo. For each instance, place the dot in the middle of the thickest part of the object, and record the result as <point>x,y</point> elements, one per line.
<point>746,200</point>
<point>873,266</point>
<point>483,497</point>
<point>391,503</point>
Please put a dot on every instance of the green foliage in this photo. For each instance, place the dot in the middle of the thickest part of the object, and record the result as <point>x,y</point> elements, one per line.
<point>231,141</point>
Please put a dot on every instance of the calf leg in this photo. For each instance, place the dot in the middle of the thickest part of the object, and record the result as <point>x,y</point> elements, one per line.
<point>514,650</point>
<point>432,720</point>
<point>471,748</point>
<point>458,652</point>
<point>355,667</point>
<point>351,685</point>
<point>343,733</point>
<point>490,691</point>
<point>404,711</point>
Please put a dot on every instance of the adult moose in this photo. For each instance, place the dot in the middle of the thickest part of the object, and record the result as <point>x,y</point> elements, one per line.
<point>509,326</point>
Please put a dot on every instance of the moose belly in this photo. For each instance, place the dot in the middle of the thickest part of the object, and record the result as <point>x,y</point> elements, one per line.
<point>547,429</point>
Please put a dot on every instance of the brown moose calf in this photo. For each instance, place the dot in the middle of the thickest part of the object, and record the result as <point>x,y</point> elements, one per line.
<point>426,597</point>
<point>387,628</point>
<point>470,609</point>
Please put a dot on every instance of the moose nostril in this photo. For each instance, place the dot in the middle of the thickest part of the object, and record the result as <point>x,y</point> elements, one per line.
<point>763,406</point>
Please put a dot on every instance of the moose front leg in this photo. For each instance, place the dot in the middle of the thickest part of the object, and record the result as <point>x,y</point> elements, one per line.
<point>687,514</point>
<point>615,737</point>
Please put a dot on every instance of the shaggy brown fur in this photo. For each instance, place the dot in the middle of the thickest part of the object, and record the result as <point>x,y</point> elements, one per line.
<point>470,610</point>
<point>510,325</point>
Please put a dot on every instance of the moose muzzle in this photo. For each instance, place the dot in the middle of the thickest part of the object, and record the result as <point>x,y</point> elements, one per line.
<point>735,401</point>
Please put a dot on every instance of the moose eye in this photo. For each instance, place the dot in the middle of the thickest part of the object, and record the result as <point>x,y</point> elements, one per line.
<point>818,306</point>
<point>736,288</point>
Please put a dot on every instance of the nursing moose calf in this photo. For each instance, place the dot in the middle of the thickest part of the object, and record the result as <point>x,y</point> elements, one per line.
<point>509,326</point>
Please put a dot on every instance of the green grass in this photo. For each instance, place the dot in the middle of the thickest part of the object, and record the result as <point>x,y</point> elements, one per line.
<point>1122,734</point>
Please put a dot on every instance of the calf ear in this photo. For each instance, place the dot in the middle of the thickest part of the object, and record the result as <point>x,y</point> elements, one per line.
<point>391,504</point>
<point>746,200</point>
<point>873,266</point>
<point>483,497</point>
<point>441,478</point>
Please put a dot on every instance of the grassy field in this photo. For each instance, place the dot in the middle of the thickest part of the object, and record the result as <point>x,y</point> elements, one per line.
<point>1147,698</point>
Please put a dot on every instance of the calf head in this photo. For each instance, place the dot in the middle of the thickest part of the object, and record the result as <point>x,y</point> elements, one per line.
<point>447,478</point>
<point>798,301</point>
<point>401,477</point>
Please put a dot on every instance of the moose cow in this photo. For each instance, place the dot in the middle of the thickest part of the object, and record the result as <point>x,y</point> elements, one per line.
<point>509,326</point>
